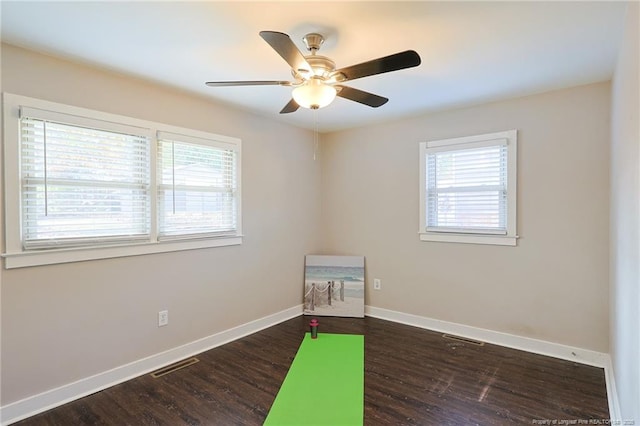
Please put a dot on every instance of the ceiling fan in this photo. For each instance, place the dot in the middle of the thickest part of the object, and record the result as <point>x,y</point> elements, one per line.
<point>316,81</point>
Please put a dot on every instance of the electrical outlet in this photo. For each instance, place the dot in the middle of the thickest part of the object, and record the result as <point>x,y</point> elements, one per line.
<point>377,285</point>
<point>163,318</point>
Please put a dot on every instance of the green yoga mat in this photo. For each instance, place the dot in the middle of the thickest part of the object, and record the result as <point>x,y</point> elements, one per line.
<point>325,384</point>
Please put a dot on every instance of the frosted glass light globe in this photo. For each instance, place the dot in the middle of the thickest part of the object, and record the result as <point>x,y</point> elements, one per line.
<point>314,94</point>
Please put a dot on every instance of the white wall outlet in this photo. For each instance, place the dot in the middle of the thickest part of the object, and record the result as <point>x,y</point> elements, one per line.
<point>377,285</point>
<point>163,318</point>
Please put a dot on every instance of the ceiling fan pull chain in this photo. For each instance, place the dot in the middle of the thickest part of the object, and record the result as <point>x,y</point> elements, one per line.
<point>315,133</point>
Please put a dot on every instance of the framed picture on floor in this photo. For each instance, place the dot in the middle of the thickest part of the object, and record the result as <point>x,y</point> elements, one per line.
<point>334,286</point>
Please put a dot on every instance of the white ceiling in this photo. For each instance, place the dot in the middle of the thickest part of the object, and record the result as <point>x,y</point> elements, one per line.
<point>472,52</point>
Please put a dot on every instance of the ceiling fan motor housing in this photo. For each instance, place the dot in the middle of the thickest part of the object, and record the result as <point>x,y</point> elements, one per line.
<point>321,65</point>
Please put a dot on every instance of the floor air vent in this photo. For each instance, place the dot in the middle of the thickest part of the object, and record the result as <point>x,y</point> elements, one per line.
<point>174,367</point>
<point>463,339</point>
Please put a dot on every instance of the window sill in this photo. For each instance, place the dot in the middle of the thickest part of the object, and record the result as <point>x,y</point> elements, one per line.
<point>54,256</point>
<point>498,240</point>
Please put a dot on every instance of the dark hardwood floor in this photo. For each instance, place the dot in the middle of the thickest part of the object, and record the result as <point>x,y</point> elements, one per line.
<point>412,377</point>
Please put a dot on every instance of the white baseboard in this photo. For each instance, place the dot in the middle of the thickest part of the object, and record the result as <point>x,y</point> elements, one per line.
<point>612,394</point>
<point>52,398</point>
<point>541,347</point>
<point>556,350</point>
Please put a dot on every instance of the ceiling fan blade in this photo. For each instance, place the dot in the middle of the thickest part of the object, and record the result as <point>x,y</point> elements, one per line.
<point>395,62</point>
<point>361,96</point>
<point>247,83</point>
<point>292,106</point>
<point>281,43</point>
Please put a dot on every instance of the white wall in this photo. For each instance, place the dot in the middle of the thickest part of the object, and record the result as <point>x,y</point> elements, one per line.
<point>625,220</point>
<point>553,286</point>
<point>65,322</point>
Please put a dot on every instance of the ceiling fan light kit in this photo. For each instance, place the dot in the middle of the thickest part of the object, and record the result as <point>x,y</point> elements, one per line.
<point>317,82</point>
<point>314,94</point>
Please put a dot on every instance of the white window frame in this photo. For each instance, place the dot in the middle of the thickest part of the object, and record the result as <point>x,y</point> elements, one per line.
<point>15,256</point>
<point>473,237</point>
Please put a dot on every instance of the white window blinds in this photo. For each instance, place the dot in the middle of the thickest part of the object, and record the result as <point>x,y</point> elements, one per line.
<point>81,184</point>
<point>467,188</point>
<point>197,187</point>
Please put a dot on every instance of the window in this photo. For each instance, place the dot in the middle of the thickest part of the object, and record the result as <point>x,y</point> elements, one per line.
<point>82,184</point>
<point>197,188</point>
<point>468,189</point>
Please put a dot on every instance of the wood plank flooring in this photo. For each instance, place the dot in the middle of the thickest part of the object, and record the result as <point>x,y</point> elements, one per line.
<point>412,377</point>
